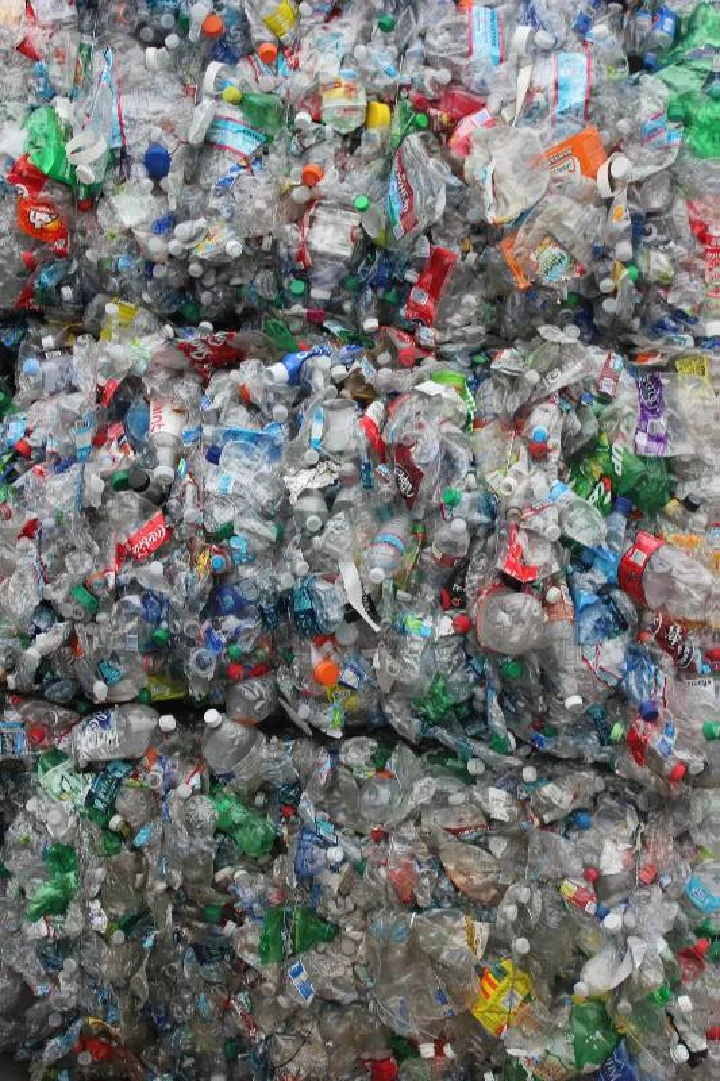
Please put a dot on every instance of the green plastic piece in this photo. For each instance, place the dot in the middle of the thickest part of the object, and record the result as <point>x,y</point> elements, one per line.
<point>593,1036</point>
<point>288,931</point>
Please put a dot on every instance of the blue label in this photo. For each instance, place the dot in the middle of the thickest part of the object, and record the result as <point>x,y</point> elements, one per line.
<point>571,82</point>
<point>701,896</point>
<point>228,131</point>
<point>486,35</point>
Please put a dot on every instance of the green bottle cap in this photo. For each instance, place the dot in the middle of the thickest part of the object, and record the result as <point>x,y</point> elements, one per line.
<point>390,296</point>
<point>512,669</point>
<point>85,599</point>
<point>297,287</point>
<point>421,121</point>
<point>212,913</point>
<point>352,284</point>
<point>83,706</point>
<point>451,497</point>
<point>386,23</point>
<point>144,697</point>
<point>662,994</point>
<point>632,272</point>
<point>161,636</point>
<point>711,730</point>
<point>120,481</point>
<point>190,311</point>
<point>572,300</point>
<point>617,733</point>
<point>225,531</point>
<point>362,203</point>
<point>234,652</point>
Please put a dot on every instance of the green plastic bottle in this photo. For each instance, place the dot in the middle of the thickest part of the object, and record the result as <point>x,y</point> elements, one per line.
<point>253,834</point>
<point>700,113</point>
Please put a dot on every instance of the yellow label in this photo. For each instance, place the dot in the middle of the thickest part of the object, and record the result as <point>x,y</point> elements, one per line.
<point>502,990</point>
<point>697,366</point>
<point>163,690</point>
<point>281,21</point>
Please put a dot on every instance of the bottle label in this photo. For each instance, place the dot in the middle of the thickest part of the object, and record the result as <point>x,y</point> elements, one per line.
<point>487,35</point>
<point>148,538</point>
<point>701,896</point>
<point>228,131</point>
<point>572,81</point>
<point>401,199</point>
<point>300,980</point>
<point>651,433</point>
<point>633,564</point>
<point>408,476</point>
<point>98,736</point>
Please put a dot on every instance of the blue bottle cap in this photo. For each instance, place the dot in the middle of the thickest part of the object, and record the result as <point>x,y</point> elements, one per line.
<point>649,711</point>
<point>623,505</point>
<point>31,366</point>
<point>213,455</point>
<point>157,161</point>
<point>218,564</point>
<point>540,435</point>
<point>582,820</point>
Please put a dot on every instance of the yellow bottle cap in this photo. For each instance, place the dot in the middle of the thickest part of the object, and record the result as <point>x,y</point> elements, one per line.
<point>377,115</point>
<point>231,95</point>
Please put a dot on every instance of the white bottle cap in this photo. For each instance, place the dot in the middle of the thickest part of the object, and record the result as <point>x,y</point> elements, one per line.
<point>680,1054</point>
<point>278,373</point>
<point>623,251</point>
<point>99,690</point>
<point>280,413</point>
<point>475,767</point>
<point>529,774</point>
<point>172,42</point>
<point>370,325</point>
<point>164,474</point>
<point>313,523</point>
<point>458,525</point>
<point>301,568</point>
<point>573,703</point>
<point>544,40</point>
<point>234,248</point>
<point>620,167</point>
<point>607,286</point>
<point>684,1004</point>
<point>212,718</point>
<point>612,922</point>
<point>521,946</point>
<point>427,1050</point>
<point>376,575</point>
<point>167,723</point>
<point>116,823</point>
<point>335,855</point>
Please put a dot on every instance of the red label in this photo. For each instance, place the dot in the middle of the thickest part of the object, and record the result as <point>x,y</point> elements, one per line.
<point>408,476</point>
<point>148,538</point>
<point>425,295</point>
<point>633,563</point>
<point>39,218</point>
<point>673,639</point>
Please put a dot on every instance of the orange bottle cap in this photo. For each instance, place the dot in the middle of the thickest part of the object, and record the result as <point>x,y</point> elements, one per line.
<point>326,673</point>
<point>213,26</point>
<point>312,175</point>
<point>268,53</point>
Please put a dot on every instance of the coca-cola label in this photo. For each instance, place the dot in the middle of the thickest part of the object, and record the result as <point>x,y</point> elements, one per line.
<point>148,538</point>
<point>401,199</point>
<point>672,637</point>
<point>408,476</point>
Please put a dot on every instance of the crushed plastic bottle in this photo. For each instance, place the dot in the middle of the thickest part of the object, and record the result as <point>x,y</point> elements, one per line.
<point>359,540</point>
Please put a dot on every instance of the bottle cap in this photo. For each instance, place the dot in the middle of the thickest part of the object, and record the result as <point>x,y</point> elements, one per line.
<point>376,575</point>
<point>312,175</point>
<point>386,23</point>
<point>212,718</point>
<point>677,773</point>
<point>458,525</point>
<point>213,26</point>
<point>167,723</point>
<point>116,823</point>
<point>326,672</point>
<point>157,161</point>
<point>161,636</point>
<point>377,115</point>
<point>362,203</point>
<point>268,53</point>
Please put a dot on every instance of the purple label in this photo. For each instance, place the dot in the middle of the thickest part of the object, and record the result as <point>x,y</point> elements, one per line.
<point>651,434</point>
